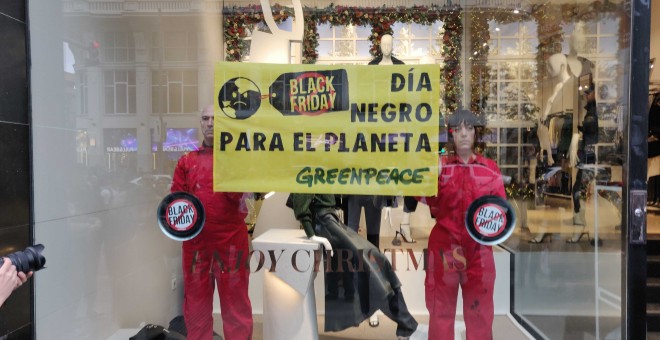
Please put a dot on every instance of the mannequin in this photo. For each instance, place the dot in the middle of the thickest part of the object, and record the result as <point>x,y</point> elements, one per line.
<point>557,68</point>
<point>376,288</point>
<point>386,58</point>
<point>372,204</point>
<point>585,131</point>
<point>566,96</point>
<point>582,154</point>
<point>558,71</point>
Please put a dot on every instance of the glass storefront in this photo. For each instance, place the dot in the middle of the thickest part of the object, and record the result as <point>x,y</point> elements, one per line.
<point>118,87</point>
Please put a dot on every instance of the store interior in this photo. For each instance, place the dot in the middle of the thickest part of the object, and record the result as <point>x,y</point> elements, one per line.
<point>125,115</point>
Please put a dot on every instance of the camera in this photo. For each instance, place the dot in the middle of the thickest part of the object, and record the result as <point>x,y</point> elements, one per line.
<point>27,260</point>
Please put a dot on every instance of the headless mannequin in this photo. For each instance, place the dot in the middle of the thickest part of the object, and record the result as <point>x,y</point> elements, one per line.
<point>558,71</point>
<point>564,70</point>
<point>557,67</point>
<point>585,132</point>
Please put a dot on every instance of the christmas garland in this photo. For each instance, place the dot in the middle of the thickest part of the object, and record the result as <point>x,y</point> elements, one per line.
<point>549,18</point>
<point>480,77</point>
<point>381,19</point>
<point>237,23</point>
<point>451,50</point>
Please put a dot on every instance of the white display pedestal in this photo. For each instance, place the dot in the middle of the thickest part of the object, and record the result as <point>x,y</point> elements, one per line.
<point>289,305</point>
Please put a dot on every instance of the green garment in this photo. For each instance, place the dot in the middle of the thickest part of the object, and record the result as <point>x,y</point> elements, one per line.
<point>303,209</point>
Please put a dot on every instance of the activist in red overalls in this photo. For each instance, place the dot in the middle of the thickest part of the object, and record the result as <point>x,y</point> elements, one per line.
<point>454,257</point>
<point>218,253</point>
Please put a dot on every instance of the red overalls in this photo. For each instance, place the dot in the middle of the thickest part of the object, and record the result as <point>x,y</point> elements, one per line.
<point>454,257</point>
<point>217,254</point>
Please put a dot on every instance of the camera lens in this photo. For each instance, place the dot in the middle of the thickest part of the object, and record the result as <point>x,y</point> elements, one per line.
<point>27,260</point>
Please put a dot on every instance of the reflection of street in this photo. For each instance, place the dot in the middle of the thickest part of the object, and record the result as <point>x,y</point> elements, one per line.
<point>159,184</point>
<point>107,254</point>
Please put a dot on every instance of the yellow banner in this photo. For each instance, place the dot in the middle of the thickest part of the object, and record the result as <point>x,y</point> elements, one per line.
<point>326,129</point>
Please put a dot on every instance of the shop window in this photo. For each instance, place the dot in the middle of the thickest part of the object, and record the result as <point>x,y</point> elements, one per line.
<point>343,44</point>
<point>413,41</point>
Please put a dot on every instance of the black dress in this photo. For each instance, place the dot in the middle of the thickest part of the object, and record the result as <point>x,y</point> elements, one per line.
<point>373,282</point>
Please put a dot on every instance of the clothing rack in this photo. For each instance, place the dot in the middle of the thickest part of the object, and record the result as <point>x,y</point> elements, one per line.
<point>560,114</point>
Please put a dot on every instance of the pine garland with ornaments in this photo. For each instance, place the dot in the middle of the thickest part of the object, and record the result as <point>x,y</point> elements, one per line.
<point>549,17</point>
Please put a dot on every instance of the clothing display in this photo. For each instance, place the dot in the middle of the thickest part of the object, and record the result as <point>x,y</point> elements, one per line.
<point>377,61</point>
<point>455,259</point>
<point>373,206</point>
<point>375,285</point>
<point>222,244</point>
<point>586,153</point>
<point>561,132</point>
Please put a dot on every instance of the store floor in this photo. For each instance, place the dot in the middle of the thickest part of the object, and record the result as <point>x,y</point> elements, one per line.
<point>503,328</point>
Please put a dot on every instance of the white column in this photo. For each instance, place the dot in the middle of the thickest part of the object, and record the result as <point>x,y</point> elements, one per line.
<point>288,285</point>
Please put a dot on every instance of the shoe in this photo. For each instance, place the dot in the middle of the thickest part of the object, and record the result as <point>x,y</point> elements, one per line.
<point>578,218</point>
<point>404,230</point>
<point>396,241</point>
<point>373,321</point>
<point>421,333</point>
<point>540,238</point>
<point>593,242</point>
<point>577,236</point>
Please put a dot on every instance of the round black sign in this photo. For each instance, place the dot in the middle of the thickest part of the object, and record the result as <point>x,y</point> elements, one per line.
<point>181,216</point>
<point>490,220</point>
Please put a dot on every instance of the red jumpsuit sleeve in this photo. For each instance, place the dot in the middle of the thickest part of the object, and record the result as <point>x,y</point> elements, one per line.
<point>179,182</point>
<point>235,196</point>
<point>498,183</point>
